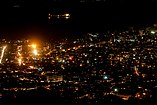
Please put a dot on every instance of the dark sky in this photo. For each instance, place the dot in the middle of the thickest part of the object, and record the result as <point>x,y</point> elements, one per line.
<point>30,16</point>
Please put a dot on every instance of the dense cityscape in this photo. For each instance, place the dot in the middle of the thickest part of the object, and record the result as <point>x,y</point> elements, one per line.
<point>78,52</point>
<point>94,69</point>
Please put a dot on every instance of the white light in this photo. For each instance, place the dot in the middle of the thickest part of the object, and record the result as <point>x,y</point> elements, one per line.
<point>152,32</point>
<point>67,15</point>
<point>63,60</point>
<point>39,69</point>
<point>2,54</point>
<point>105,77</point>
<point>116,90</point>
<point>35,52</point>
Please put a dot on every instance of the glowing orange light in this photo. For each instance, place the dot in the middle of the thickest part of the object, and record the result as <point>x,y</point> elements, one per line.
<point>34,46</point>
<point>20,61</point>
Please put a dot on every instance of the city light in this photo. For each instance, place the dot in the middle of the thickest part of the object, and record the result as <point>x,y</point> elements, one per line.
<point>2,54</point>
<point>20,61</point>
<point>31,67</point>
<point>115,90</point>
<point>34,46</point>
<point>71,58</point>
<point>136,71</point>
<point>105,77</point>
<point>35,52</point>
<point>110,65</point>
<point>153,32</point>
<point>67,15</point>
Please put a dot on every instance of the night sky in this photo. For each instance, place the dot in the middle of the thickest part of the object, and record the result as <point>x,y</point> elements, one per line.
<point>29,18</point>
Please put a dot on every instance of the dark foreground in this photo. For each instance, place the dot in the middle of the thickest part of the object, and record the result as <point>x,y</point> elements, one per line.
<point>42,96</point>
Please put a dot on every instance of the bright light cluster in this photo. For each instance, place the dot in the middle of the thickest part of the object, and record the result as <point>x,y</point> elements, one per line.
<point>2,54</point>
